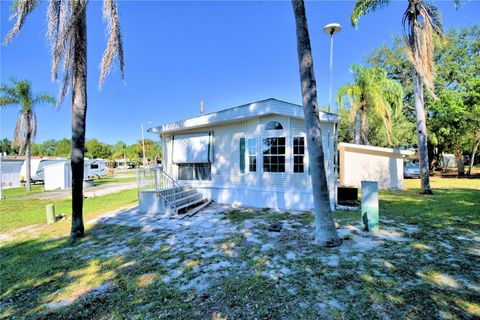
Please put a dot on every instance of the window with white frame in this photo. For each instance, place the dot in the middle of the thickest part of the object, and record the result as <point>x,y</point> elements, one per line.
<point>274,154</point>
<point>252,154</point>
<point>298,154</point>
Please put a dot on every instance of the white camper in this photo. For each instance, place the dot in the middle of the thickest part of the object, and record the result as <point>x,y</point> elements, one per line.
<point>37,169</point>
<point>95,168</point>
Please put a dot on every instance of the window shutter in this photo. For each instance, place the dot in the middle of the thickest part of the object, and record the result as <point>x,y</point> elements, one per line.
<point>242,155</point>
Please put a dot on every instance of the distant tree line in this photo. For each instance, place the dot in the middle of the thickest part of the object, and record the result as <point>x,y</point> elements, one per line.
<point>94,149</point>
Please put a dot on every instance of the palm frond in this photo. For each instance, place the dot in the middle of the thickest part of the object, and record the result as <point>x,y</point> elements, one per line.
<point>392,92</point>
<point>21,9</point>
<point>8,96</point>
<point>62,19</point>
<point>6,101</point>
<point>54,18</point>
<point>362,7</point>
<point>433,16</point>
<point>115,44</point>
<point>349,91</point>
<point>17,134</point>
<point>7,90</point>
<point>67,72</point>
<point>458,3</point>
<point>421,23</point>
<point>44,98</point>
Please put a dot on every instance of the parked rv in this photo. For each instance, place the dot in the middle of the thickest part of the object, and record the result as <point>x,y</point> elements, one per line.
<point>95,167</point>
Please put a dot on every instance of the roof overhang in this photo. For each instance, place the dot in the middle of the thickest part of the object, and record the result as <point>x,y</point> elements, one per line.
<point>240,113</point>
<point>375,150</point>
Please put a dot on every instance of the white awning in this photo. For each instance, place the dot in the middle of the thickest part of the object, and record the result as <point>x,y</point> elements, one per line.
<point>192,148</point>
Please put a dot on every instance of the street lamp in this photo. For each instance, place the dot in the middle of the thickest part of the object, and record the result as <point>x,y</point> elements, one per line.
<point>143,141</point>
<point>331,29</point>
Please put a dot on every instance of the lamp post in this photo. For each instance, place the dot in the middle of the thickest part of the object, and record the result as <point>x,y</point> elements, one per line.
<point>331,29</point>
<point>143,141</point>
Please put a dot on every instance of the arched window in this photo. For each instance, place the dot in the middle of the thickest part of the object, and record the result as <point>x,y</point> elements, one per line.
<point>273,125</point>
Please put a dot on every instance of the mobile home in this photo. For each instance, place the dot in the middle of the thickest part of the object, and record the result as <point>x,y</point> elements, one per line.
<point>10,168</point>
<point>250,155</point>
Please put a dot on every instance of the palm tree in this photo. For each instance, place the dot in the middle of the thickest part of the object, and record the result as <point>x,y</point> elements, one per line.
<point>67,31</point>
<point>325,231</point>
<point>371,91</point>
<point>19,93</point>
<point>421,22</point>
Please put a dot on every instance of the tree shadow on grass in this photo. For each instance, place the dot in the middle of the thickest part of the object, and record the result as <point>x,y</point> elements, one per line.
<point>100,276</point>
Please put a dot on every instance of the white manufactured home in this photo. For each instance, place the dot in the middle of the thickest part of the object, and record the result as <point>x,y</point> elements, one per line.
<point>250,155</point>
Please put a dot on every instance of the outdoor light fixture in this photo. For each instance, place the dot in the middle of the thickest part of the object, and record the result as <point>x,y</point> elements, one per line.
<point>331,29</point>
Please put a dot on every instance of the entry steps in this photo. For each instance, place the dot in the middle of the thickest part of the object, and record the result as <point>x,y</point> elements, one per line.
<point>183,199</point>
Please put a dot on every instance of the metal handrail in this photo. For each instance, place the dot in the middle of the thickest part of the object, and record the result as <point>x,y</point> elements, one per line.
<point>157,179</point>
<point>174,182</point>
<point>174,207</point>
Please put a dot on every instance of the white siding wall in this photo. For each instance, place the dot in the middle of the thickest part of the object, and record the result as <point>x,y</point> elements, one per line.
<point>261,189</point>
<point>359,165</point>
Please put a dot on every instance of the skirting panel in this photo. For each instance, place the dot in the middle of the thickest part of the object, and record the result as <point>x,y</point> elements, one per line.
<point>281,200</point>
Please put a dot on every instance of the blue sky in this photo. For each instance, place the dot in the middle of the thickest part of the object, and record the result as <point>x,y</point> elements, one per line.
<point>177,53</point>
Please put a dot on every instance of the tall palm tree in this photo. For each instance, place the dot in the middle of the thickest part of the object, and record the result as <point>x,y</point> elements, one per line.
<point>19,93</point>
<point>67,31</point>
<point>421,22</point>
<point>325,231</point>
<point>371,91</point>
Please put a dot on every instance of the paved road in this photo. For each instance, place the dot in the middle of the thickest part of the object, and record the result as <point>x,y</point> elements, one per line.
<point>100,190</point>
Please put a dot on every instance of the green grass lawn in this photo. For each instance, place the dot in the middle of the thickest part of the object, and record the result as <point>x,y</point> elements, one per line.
<point>455,201</point>
<point>19,213</point>
<point>21,191</point>
<point>112,179</point>
<point>119,272</point>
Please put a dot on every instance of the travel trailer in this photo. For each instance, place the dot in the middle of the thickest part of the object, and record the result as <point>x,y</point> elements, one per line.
<point>95,167</point>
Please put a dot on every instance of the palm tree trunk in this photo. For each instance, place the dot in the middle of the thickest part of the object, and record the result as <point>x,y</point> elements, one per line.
<point>365,128</point>
<point>421,135</point>
<point>421,124</point>
<point>358,126</point>
<point>28,168</point>
<point>79,111</point>
<point>325,231</point>
<point>472,158</point>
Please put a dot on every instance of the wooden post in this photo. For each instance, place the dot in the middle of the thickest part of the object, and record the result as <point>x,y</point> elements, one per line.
<point>50,211</point>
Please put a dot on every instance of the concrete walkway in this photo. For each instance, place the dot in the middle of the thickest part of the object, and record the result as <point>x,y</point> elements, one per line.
<point>209,219</point>
<point>100,190</point>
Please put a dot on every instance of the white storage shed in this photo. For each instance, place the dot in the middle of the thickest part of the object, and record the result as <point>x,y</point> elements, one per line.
<point>360,162</point>
<point>58,176</point>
